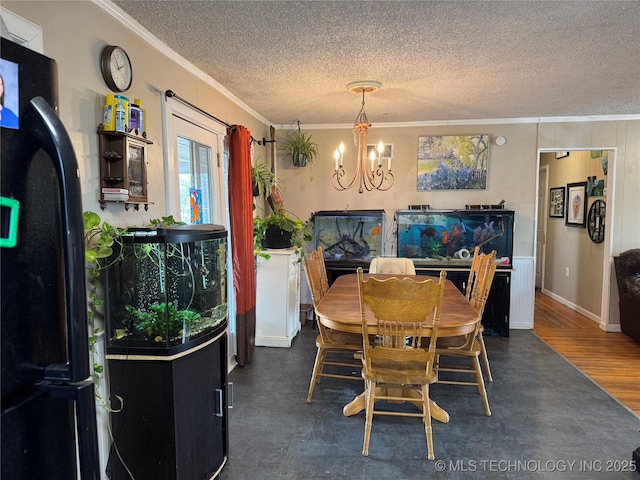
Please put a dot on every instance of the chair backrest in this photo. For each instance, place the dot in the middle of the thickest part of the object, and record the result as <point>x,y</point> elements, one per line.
<point>400,308</point>
<point>475,265</point>
<point>401,266</point>
<point>482,281</point>
<point>312,270</point>
<point>318,255</point>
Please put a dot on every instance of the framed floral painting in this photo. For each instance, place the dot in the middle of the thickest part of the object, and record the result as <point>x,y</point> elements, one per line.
<point>453,162</point>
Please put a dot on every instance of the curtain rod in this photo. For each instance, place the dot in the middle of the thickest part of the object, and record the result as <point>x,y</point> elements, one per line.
<point>172,94</point>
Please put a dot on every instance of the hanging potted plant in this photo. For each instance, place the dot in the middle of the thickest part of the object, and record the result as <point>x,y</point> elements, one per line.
<point>299,145</point>
<point>262,179</point>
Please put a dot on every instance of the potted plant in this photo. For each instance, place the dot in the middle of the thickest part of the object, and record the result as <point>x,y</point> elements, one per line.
<point>302,149</point>
<point>279,231</point>
<point>262,179</point>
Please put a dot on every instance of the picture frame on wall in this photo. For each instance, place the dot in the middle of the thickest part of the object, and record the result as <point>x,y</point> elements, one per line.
<point>576,204</point>
<point>556,202</point>
<point>387,153</point>
<point>452,162</point>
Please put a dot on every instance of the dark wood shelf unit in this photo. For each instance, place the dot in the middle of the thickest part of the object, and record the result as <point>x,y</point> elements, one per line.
<point>123,165</point>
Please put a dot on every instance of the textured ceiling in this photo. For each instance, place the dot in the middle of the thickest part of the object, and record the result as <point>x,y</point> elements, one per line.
<point>437,60</point>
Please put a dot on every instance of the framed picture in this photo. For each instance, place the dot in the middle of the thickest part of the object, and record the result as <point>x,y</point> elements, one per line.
<point>452,162</point>
<point>596,221</point>
<point>387,153</point>
<point>576,204</point>
<point>556,202</point>
<point>561,155</point>
<point>595,187</point>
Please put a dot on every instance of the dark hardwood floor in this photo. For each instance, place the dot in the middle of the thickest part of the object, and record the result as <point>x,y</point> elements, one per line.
<point>611,360</point>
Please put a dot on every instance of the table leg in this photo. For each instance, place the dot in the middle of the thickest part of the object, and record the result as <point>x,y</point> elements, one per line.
<point>357,405</point>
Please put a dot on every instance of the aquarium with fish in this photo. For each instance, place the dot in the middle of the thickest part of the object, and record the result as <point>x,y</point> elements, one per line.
<point>349,236</point>
<point>166,289</point>
<point>447,238</point>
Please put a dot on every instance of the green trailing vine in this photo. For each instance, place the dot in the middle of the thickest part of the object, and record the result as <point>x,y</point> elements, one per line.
<point>164,222</point>
<point>100,241</point>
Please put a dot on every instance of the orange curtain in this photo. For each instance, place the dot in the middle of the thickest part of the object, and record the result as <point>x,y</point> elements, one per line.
<point>241,219</point>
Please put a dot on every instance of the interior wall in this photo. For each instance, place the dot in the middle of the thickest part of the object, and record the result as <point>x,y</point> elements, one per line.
<point>512,167</point>
<point>622,182</point>
<point>569,247</point>
<point>510,170</point>
<point>74,35</point>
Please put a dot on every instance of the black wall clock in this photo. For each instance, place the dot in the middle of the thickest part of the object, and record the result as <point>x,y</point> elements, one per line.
<point>595,221</point>
<point>116,68</point>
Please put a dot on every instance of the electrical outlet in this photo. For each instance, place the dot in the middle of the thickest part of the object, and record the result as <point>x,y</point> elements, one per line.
<point>566,272</point>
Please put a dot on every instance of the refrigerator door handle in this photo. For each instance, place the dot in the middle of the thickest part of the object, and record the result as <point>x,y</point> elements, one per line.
<point>83,395</point>
<point>50,135</point>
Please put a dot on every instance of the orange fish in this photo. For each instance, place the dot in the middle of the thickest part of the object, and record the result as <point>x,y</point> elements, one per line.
<point>456,232</point>
<point>376,231</point>
<point>445,237</point>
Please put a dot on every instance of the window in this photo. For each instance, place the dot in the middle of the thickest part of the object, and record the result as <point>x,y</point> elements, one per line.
<point>194,161</point>
<point>195,176</point>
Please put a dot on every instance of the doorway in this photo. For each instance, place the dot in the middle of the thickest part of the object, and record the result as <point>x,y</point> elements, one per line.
<point>572,264</point>
<point>196,163</point>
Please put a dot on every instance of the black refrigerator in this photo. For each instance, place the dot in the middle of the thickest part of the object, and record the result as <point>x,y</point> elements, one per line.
<point>48,425</point>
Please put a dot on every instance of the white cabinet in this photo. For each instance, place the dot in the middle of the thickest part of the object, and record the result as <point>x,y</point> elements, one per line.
<point>277,299</point>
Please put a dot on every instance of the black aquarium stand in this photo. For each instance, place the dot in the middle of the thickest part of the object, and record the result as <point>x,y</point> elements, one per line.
<point>174,423</point>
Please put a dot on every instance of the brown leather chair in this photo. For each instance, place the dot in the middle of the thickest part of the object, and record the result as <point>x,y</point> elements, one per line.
<point>628,276</point>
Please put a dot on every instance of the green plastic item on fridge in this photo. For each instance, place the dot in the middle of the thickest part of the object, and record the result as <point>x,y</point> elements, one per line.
<point>12,235</point>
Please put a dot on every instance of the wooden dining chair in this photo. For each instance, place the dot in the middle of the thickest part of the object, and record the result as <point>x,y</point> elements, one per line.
<point>335,349</point>
<point>401,266</point>
<point>318,255</point>
<point>473,273</point>
<point>468,347</point>
<point>397,358</point>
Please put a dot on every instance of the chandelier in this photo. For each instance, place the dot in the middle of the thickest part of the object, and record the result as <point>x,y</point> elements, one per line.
<point>369,171</point>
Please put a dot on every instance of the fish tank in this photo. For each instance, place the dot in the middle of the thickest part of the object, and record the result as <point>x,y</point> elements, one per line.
<point>349,236</point>
<point>447,238</point>
<point>166,290</point>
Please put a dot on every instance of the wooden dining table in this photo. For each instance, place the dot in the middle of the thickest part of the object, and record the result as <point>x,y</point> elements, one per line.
<point>339,309</point>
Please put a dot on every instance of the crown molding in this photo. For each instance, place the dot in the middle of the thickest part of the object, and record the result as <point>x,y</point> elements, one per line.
<point>479,121</point>
<point>119,15</point>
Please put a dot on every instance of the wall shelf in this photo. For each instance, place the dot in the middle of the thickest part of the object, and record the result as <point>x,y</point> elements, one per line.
<point>123,167</point>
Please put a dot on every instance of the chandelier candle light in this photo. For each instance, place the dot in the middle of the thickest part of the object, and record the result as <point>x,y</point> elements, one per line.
<point>371,176</point>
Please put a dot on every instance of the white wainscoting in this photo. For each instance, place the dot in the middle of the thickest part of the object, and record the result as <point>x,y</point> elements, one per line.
<point>522,293</point>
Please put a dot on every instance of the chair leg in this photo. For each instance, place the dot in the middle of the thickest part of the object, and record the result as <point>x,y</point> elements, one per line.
<point>317,370</point>
<point>485,358</point>
<point>370,395</point>
<point>426,415</point>
<point>481,389</point>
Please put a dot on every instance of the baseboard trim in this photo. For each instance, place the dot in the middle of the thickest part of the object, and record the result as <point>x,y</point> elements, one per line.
<point>577,308</point>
